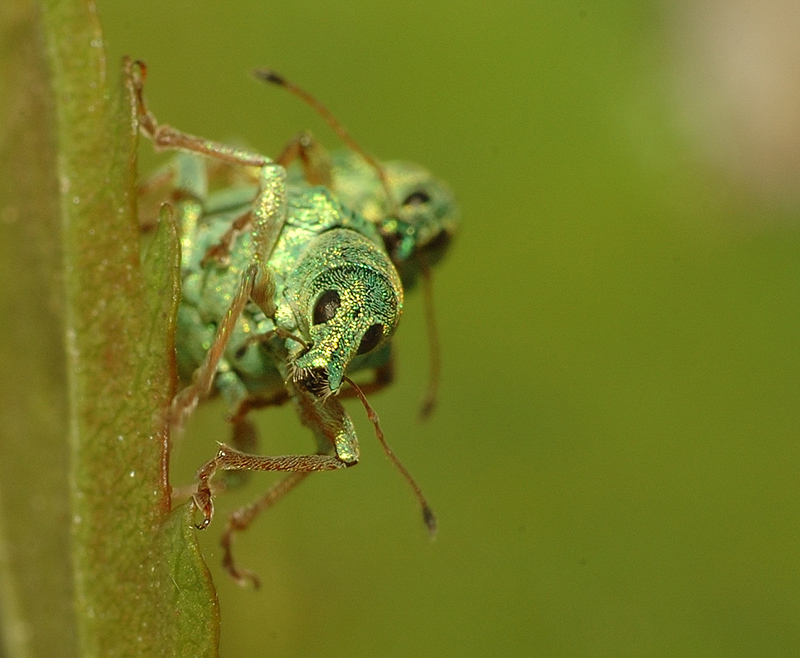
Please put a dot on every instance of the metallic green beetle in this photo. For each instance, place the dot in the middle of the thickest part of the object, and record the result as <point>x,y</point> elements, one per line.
<point>284,291</point>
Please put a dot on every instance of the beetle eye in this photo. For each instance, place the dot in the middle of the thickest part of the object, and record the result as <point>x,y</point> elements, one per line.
<point>326,306</point>
<point>417,198</point>
<point>372,337</point>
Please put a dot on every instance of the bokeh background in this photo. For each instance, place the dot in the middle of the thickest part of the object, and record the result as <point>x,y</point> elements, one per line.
<point>614,460</point>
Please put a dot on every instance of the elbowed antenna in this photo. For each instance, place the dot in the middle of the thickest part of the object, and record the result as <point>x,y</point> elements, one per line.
<point>427,513</point>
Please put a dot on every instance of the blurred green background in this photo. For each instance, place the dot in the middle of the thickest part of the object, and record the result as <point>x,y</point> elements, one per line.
<point>614,461</point>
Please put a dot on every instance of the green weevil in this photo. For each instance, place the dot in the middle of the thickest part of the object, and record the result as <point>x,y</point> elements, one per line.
<point>285,291</point>
<point>417,224</point>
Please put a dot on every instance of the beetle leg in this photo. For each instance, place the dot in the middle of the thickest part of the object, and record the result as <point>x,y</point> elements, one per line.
<point>242,518</point>
<point>334,433</point>
<point>313,159</point>
<point>165,137</point>
<point>185,402</point>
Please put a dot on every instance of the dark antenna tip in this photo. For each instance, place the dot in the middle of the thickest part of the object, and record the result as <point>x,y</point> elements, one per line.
<point>430,520</point>
<point>268,75</point>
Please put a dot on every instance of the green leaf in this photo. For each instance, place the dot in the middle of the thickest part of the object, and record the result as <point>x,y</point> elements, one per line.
<point>194,624</point>
<point>136,584</point>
